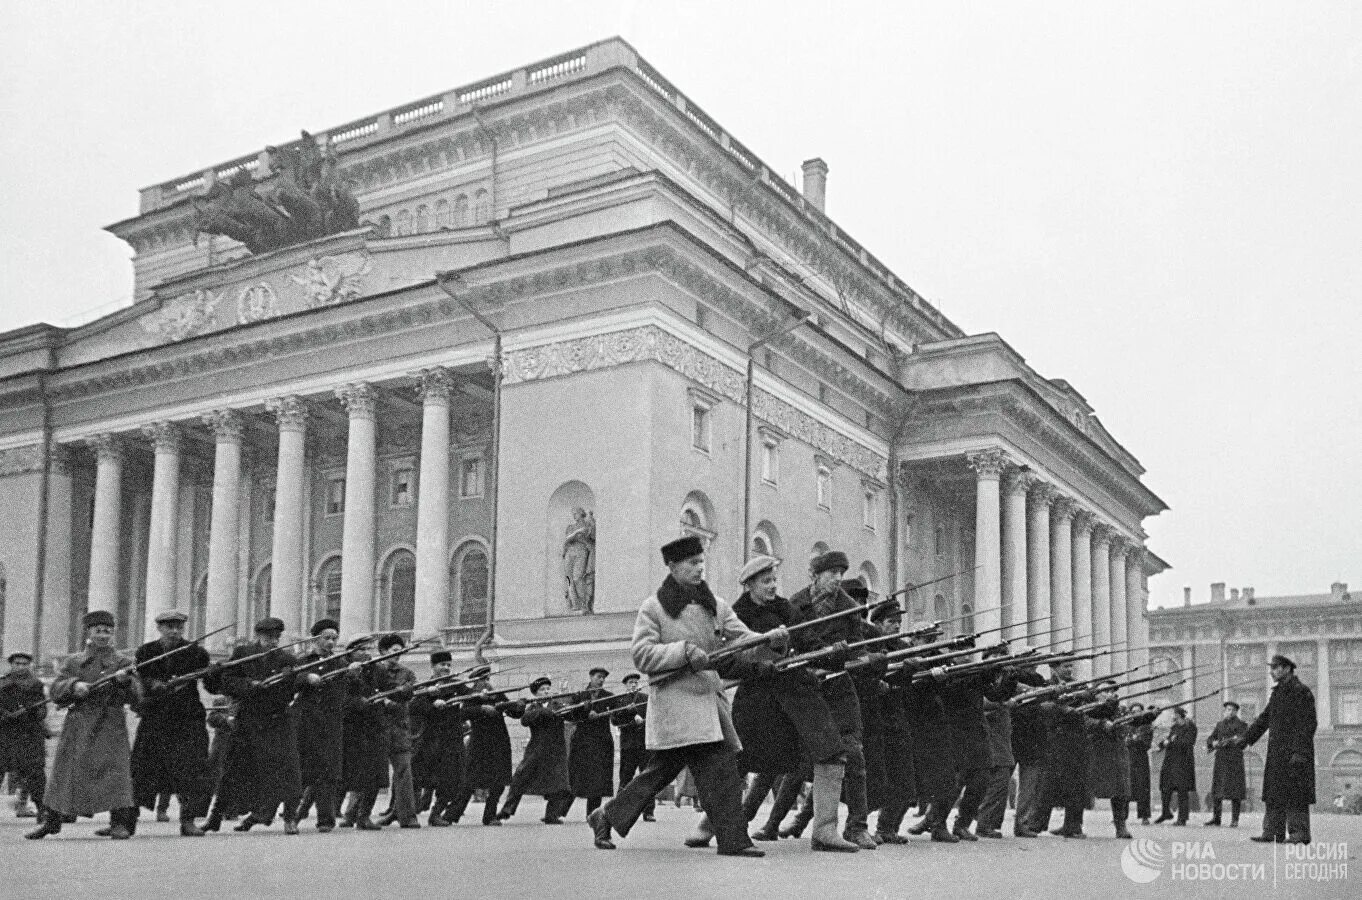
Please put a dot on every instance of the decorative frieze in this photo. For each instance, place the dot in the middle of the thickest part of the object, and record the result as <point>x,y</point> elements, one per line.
<point>184,316</point>
<point>328,280</point>
<point>256,303</point>
<point>650,343</point>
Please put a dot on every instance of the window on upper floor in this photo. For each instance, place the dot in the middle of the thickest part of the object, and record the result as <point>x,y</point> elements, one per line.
<point>443,215</point>
<point>824,476</point>
<point>335,496</point>
<point>402,491</point>
<point>470,477</point>
<point>482,208</point>
<point>421,224</point>
<point>402,223</point>
<point>1348,706</point>
<point>461,211</point>
<point>939,540</point>
<point>870,507</point>
<point>770,460</point>
<point>701,424</point>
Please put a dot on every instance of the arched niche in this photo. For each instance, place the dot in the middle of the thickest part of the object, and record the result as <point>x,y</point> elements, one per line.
<point>870,576</point>
<point>570,551</point>
<point>397,610</point>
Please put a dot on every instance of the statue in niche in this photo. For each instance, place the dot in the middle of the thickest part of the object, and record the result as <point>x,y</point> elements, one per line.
<point>302,199</point>
<point>579,562</point>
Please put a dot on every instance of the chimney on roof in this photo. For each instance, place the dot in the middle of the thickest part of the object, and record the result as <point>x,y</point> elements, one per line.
<point>1248,596</point>
<point>1218,592</point>
<point>1234,595</point>
<point>1186,596</point>
<point>1337,590</point>
<point>816,183</point>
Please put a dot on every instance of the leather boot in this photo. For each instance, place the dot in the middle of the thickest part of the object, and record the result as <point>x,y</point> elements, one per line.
<point>188,828</point>
<point>49,822</point>
<point>787,795</point>
<point>801,820</point>
<point>1122,831</point>
<point>363,808</point>
<point>827,795</point>
<point>702,834</point>
<point>304,808</point>
<point>936,819</point>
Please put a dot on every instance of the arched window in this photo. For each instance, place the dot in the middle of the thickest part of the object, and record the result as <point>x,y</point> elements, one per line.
<point>329,589</point>
<point>385,226</point>
<point>468,583</point>
<point>870,576</point>
<point>940,609</point>
<point>766,540</point>
<point>422,222</point>
<point>461,211</point>
<point>482,208</point>
<point>443,217</point>
<point>260,598</point>
<point>761,545</point>
<point>403,222</point>
<point>940,539</point>
<point>399,591</point>
<point>967,622</point>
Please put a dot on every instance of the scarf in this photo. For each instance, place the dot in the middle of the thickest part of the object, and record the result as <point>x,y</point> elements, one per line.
<point>675,596</point>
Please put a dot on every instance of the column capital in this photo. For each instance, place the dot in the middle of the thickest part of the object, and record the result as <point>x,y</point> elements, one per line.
<point>1083,519</point>
<point>988,464</point>
<point>1135,556</point>
<point>1020,481</point>
<point>165,437</point>
<point>359,400</point>
<point>1043,493</point>
<point>435,385</point>
<point>107,447</point>
<point>290,412</point>
<point>1064,507</point>
<point>1102,533</point>
<point>1120,545</point>
<point>59,458</point>
<point>227,425</point>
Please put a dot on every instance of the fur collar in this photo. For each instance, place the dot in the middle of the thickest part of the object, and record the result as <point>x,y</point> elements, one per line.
<point>675,596</point>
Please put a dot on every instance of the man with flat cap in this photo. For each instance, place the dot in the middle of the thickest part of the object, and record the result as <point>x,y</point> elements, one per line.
<point>319,710</point>
<point>689,723</point>
<point>1289,774</point>
<point>631,718</point>
<point>91,772</point>
<point>591,749</point>
<point>265,745</point>
<point>23,734</point>
<point>170,753</point>
<point>1228,779</point>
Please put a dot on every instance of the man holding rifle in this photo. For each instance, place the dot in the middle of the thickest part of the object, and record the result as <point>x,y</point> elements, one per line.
<point>395,684</point>
<point>23,733</point>
<point>543,769</point>
<point>591,749</point>
<point>437,765</point>
<point>488,754</point>
<point>170,753</point>
<point>320,712</point>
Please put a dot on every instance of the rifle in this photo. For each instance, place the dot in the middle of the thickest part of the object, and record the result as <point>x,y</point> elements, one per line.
<point>1192,673</point>
<point>1127,719</point>
<point>407,648</point>
<point>1191,676</point>
<point>951,644</point>
<point>1046,691</point>
<point>133,669</point>
<point>179,681</point>
<point>585,704</point>
<point>466,699</point>
<point>1029,658</point>
<point>323,660</point>
<point>440,682</point>
<point>916,587</point>
<point>605,713</point>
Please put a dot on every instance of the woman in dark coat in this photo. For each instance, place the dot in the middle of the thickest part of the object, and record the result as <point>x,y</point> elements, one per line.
<point>487,757</point>
<point>1139,738</point>
<point>1178,773</point>
<point>591,749</point>
<point>1289,774</point>
<point>1228,779</point>
<point>543,770</point>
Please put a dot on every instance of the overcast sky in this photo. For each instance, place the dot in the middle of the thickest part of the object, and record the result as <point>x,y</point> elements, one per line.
<point>1159,202</point>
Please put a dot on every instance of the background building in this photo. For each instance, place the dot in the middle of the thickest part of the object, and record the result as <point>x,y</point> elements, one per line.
<point>1234,636</point>
<point>317,430</point>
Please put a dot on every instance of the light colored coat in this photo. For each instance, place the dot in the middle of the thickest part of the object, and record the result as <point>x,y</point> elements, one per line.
<point>692,708</point>
<point>92,770</point>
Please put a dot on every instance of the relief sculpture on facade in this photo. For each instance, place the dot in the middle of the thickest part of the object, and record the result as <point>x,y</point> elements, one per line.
<point>333,279</point>
<point>183,316</point>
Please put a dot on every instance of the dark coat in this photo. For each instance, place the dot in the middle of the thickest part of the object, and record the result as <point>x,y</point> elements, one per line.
<point>488,755</point>
<point>319,713</point>
<point>170,751</point>
<point>998,718</point>
<point>266,741</point>
<point>963,701</point>
<point>439,758</point>
<point>1138,741</point>
<point>387,676</point>
<point>1029,735</point>
<point>1228,780</point>
<point>838,693</point>
<point>364,756</point>
<point>1108,756</point>
<point>591,750</point>
<point>1066,760</point>
<point>1178,772</point>
<point>783,721</point>
<point>22,739</point>
<point>92,769</point>
<point>631,720</point>
<point>933,751</point>
<point>544,765</point>
<point>900,779</point>
<point>1290,715</point>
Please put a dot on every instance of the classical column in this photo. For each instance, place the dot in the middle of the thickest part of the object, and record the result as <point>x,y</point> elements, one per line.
<point>1038,559</point>
<point>1061,570</point>
<point>286,571</point>
<point>1014,550</point>
<point>988,467</point>
<point>106,531</point>
<point>224,526</point>
<point>1101,595</point>
<point>165,501</point>
<point>1081,576</point>
<point>1137,627</point>
<point>1324,713</point>
<point>357,545</point>
<point>1117,611</point>
<point>55,619</point>
<point>432,503</point>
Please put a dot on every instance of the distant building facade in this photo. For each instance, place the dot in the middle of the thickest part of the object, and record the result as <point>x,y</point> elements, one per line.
<point>317,430</point>
<point>1238,633</point>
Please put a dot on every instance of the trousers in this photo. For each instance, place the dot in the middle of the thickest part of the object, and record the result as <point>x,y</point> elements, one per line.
<point>1287,822</point>
<point>994,805</point>
<point>715,769</point>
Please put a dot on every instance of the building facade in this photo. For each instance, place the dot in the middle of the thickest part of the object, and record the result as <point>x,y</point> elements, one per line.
<point>481,412</point>
<point>1228,642</point>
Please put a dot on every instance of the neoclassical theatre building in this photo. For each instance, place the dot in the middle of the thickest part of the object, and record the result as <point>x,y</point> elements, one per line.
<point>577,319</point>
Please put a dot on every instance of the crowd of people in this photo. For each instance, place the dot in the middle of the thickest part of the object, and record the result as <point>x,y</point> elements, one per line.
<point>818,701</point>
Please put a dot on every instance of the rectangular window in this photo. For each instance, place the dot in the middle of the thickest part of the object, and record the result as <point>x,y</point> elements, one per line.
<point>824,487</point>
<point>700,427</point>
<point>869,509</point>
<point>335,496</point>
<point>403,491</point>
<point>1349,711</point>
<point>470,478</point>
<point>770,462</point>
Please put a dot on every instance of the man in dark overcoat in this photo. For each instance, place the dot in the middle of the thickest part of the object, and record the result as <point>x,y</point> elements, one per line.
<point>1177,775</point>
<point>320,712</point>
<point>487,765</point>
<point>391,676</point>
<point>934,753</point>
<point>265,744</point>
<point>1289,774</point>
<point>170,752</point>
<point>900,787</point>
<point>1228,779</point>
<point>631,720</point>
<point>1030,745</point>
<point>364,738</point>
<point>1139,739</point>
<point>591,749</point>
<point>543,769</point>
<point>438,763</point>
<point>23,734</point>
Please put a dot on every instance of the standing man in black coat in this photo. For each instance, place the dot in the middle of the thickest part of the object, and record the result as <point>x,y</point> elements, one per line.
<point>23,735</point>
<point>631,719</point>
<point>1289,775</point>
<point>487,757</point>
<point>320,713</point>
<point>543,770</point>
<point>1178,773</point>
<point>391,675</point>
<point>265,745</point>
<point>1138,741</point>
<point>170,752</point>
<point>438,763</point>
<point>591,749</point>
<point>1228,780</point>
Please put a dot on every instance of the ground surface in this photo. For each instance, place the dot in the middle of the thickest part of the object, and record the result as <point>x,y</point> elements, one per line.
<point>525,859</point>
